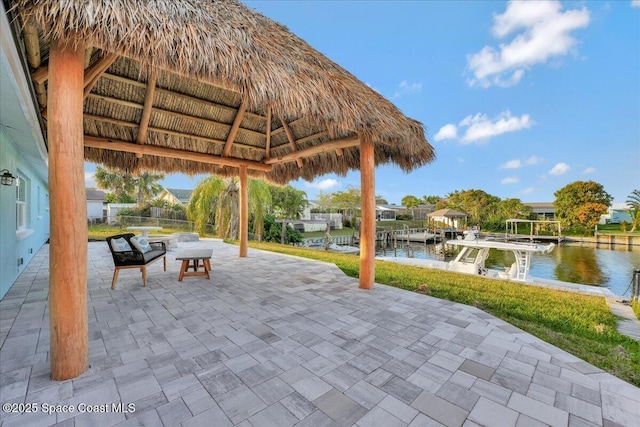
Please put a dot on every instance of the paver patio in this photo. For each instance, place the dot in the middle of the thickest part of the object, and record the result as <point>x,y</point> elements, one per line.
<point>274,340</point>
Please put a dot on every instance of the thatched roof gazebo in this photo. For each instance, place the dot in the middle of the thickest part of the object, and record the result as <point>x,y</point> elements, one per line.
<point>192,86</point>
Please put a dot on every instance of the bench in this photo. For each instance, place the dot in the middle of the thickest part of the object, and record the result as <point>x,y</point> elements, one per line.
<point>169,241</point>
<point>134,258</point>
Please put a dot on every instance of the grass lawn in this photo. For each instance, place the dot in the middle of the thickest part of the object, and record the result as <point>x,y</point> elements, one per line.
<point>580,324</point>
<point>616,229</point>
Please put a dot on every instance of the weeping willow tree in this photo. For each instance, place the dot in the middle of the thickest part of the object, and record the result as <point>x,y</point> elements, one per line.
<point>216,201</point>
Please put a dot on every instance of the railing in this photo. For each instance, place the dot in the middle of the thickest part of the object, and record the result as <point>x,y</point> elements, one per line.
<point>167,213</point>
<point>322,241</point>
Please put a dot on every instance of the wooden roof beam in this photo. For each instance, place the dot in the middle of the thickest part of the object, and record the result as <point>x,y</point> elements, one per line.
<point>235,128</point>
<point>32,44</point>
<point>150,150</point>
<point>189,98</point>
<point>337,144</point>
<point>95,71</point>
<point>267,150</point>
<point>169,132</point>
<point>141,138</point>
<point>279,130</point>
<point>168,112</point>
<point>87,56</point>
<point>91,74</point>
<point>40,74</point>
<point>292,142</point>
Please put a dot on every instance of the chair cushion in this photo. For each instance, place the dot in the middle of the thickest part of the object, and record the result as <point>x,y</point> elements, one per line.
<point>151,255</point>
<point>141,244</point>
<point>120,245</point>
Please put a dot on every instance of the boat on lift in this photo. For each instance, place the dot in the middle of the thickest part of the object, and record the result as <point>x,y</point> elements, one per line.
<point>471,258</point>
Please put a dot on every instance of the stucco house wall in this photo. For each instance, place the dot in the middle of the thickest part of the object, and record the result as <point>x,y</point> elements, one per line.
<point>23,153</point>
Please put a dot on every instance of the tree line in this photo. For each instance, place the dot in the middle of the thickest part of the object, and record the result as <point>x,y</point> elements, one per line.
<point>578,205</point>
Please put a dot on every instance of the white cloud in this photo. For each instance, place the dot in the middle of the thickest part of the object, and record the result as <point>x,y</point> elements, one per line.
<point>325,184</point>
<point>528,190</point>
<point>448,131</point>
<point>591,169</point>
<point>406,88</point>
<point>90,180</point>
<point>517,163</point>
<point>541,31</point>
<point>635,3</point>
<point>559,169</point>
<point>480,127</point>
<point>510,180</point>
<point>512,164</point>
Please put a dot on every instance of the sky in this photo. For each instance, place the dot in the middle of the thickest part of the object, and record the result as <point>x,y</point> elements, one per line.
<point>518,99</point>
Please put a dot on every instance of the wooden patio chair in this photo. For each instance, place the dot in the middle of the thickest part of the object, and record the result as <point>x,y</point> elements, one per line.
<point>129,253</point>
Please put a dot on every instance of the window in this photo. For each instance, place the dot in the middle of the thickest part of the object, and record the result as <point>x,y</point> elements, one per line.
<point>21,204</point>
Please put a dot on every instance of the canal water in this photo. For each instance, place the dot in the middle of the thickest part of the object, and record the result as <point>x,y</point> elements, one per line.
<point>588,265</point>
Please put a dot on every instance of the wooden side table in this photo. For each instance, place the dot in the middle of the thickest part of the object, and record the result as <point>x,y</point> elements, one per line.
<point>191,259</point>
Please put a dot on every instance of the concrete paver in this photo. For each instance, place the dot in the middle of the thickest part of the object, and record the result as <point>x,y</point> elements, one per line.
<point>277,340</point>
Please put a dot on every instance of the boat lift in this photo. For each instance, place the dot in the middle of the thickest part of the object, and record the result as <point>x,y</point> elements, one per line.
<point>474,253</point>
<point>511,230</point>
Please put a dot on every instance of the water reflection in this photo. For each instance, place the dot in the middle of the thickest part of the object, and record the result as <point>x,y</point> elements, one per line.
<point>589,265</point>
<point>579,265</point>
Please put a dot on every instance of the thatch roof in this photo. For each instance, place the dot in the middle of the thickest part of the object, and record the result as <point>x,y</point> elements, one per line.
<point>447,213</point>
<point>202,86</point>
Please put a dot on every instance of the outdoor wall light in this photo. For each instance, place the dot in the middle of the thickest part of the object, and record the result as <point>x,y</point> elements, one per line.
<point>6,178</point>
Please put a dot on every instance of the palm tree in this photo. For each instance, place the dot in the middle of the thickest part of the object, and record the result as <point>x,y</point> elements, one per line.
<point>216,200</point>
<point>147,186</point>
<point>120,184</point>
<point>633,201</point>
<point>410,202</point>
<point>288,202</point>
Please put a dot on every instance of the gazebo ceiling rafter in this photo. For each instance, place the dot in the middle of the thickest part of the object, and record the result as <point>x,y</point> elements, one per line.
<point>174,114</point>
<point>292,142</point>
<point>93,73</point>
<point>147,109</point>
<point>235,127</point>
<point>150,150</point>
<point>135,125</point>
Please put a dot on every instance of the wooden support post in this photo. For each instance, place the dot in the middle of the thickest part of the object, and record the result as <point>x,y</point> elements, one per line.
<point>244,212</point>
<point>69,350</point>
<point>368,226</point>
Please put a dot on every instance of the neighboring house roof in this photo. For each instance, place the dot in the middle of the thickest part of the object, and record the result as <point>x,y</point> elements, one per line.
<point>391,207</point>
<point>541,205</point>
<point>182,195</point>
<point>619,207</point>
<point>448,213</point>
<point>95,196</point>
